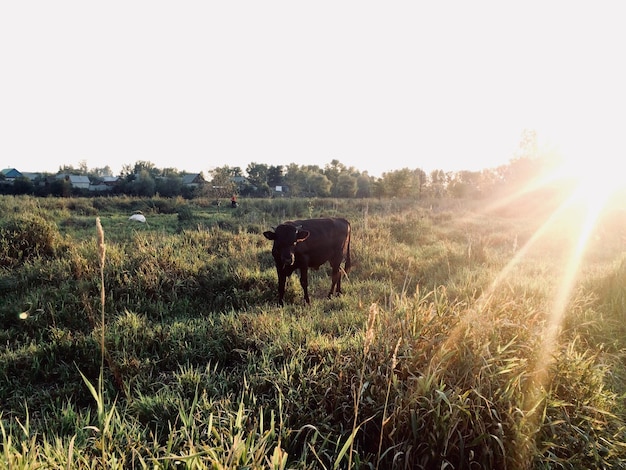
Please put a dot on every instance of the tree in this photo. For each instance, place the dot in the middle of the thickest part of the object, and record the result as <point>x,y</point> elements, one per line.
<point>171,172</point>
<point>23,185</point>
<point>127,172</point>
<point>169,186</point>
<point>256,181</point>
<point>149,167</point>
<point>346,185</point>
<point>526,165</point>
<point>305,181</point>
<point>295,179</point>
<point>222,184</point>
<point>420,179</point>
<point>465,184</point>
<point>364,185</point>
<point>257,173</point>
<point>438,183</point>
<point>68,170</point>
<point>60,187</point>
<point>275,175</point>
<point>100,172</point>
<point>397,183</point>
<point>317,184</point>
<point>332,171</point>
<point>490,181</point>
<point>144,185</point>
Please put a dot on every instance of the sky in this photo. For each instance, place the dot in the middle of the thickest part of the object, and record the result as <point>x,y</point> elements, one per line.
<point>378,86</point>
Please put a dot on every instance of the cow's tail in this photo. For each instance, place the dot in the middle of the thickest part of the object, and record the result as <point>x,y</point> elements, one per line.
<point>348,263</point>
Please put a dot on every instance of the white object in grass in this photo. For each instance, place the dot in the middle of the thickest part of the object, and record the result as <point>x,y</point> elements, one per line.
<point>138,218</point>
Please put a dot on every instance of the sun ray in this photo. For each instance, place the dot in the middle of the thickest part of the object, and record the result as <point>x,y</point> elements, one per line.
<point>575,217</point>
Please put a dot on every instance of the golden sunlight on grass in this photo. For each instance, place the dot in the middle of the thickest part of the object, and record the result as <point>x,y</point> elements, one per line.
<point>578,197</point>
<point>591,190</point>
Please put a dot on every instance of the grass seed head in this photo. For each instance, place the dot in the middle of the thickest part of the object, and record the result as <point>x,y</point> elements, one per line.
<point>371,321</point>
<point>101,245</point>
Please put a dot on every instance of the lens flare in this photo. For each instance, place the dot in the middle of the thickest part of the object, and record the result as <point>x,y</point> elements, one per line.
<point>580,195</point>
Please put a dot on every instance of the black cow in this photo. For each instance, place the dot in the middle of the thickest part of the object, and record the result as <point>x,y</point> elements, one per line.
<point>304,244</point>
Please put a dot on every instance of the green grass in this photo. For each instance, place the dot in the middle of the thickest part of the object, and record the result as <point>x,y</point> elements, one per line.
<point>435,356</point>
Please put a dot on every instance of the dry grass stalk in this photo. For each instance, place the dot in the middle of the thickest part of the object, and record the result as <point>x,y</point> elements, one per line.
<point>369,339</point>
<point>394,363</point>
<point>102,256</point>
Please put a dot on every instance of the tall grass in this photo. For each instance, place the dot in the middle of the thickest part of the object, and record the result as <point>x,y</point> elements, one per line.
<point>428,360</point>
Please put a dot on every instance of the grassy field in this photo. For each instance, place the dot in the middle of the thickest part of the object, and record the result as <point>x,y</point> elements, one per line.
<point>469,336</point>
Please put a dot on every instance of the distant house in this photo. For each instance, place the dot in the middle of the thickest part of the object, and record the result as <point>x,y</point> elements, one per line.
<point>239,180</point>
<point>110,180</point>
<point>106,183</point>
<point>10,174</point>
<point>32,176</point>
<point>193,179</point>
<point>37,179</point>
<point>76,181</point>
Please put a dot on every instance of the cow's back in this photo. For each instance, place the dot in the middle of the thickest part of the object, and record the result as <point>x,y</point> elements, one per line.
<point>328,240</point>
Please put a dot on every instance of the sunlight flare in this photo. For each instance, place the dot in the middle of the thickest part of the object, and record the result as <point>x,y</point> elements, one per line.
<point>577,197</point>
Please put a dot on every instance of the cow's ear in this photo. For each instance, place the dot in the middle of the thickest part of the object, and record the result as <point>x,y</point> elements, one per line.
<point>269,235</point>
<point>302,235</point>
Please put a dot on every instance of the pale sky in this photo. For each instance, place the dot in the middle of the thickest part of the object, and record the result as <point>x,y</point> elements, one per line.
<point>376,85</point>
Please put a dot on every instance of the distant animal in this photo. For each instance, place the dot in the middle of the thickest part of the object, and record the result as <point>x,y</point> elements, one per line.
<point>304,244</point>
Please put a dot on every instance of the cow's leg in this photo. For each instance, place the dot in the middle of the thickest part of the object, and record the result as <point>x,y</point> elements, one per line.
<point>339,276</point>
<point>335,285</point>
<point>304,282</point>
<point>282,278</point>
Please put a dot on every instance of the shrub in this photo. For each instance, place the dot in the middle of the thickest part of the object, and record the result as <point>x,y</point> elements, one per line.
<point>24,237</point>
<point>185,214</point>
<point>82,206</point>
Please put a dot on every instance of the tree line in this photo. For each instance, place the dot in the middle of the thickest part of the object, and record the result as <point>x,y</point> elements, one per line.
<point>293,180</point>
<point>263,180</point>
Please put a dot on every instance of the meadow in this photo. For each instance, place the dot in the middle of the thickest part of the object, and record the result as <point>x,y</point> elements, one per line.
<point>470,335</point>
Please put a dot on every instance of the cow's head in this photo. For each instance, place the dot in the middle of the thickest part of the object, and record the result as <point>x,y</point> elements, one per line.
<point>285,238</point>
